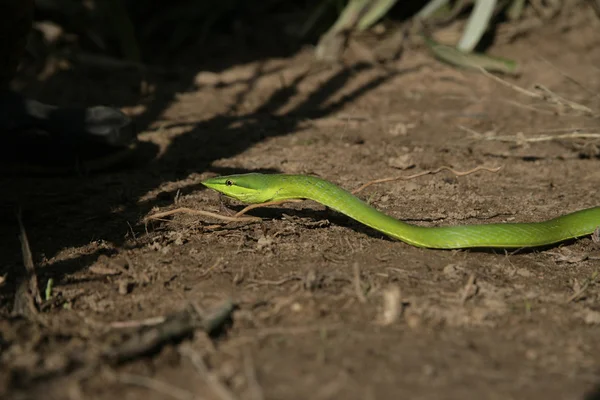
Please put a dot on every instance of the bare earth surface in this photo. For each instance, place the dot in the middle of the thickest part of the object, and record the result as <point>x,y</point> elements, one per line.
<point>316,292</point>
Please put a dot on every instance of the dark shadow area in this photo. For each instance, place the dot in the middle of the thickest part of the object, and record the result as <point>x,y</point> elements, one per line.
<point>593,394</point>
<point>72,210</point>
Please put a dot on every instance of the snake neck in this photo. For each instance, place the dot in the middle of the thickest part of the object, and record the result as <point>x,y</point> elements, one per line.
<point>342,201</point>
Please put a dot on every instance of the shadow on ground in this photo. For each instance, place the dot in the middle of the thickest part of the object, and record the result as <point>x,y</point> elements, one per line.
<point>55,205</point>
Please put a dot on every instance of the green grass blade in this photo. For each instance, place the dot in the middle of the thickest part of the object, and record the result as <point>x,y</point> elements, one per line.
<point>431,8</point>
<point>477,25</point>
<point>376,10</point>
<point>515,9</point>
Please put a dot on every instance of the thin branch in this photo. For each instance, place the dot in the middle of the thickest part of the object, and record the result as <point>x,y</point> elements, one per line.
<point>510,85</point>
<point>190,211</point>
<point>357,284</point>
<point>569,77</point>
<point>268,203</point>
<point>430,172</point>
<point>546,95</point>
<point>469,290</point>
<point>578,293</point>
<point>138,323</point>
<point>520,138</point>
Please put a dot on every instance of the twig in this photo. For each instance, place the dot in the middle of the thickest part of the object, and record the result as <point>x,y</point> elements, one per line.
<point>528,107</point>
<point>274,283</point>
<point>200,212</point>
<point>158,386</point>
<point>138,323</point>
<point>520,138</point>
<point>211,379</point>
<point>212,268</point>
<point>569,77</point>
<point>469,290</point>
<point>357,284</point>
<point>27,296</point>
<point>268,203</point>
<point>583,288</point>
<point>430,172</point>
<point>553,98</point>
<point>510,85</point>
<point>546,95</point>
<point>28,261</point>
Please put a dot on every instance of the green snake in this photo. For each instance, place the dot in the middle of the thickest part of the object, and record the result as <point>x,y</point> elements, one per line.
<point>257,188</point>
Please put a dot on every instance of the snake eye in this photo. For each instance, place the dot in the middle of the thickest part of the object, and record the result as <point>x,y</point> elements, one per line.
<point>229,182</point>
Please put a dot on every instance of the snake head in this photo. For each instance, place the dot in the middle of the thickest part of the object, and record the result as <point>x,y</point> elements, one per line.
<point>249,188</point>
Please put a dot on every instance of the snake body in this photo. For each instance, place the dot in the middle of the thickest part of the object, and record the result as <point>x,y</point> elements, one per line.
<point>257,188</point>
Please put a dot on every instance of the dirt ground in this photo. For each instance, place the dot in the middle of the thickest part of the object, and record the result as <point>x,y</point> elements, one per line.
<point>325,308</point>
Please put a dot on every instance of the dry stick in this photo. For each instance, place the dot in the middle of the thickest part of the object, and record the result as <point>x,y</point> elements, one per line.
<point>268,203</point>
<point>527,107</point>
<point>510,85</point>
<point>466,294</point>
<point>545,138</point>
<point>521,138</point>
<point>546,94</point>
<point>138,323</point>
<point>275,283</point>
<point>212,268</point>
<point>211,379</point>
<point>27,296</point>
<point>430,172</point>
<point>357,284</point>
<point>28,261</point>
<point>155,385</point>
<point>569,77</point>
<point>582,289</point>
<point>552,97</point>
<point>201,212</point>
<point>578,293</point>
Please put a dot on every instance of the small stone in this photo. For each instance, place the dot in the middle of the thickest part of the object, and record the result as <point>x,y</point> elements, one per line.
<point>591,317</point>
<point>206,78</point>
<point>404,161</point>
